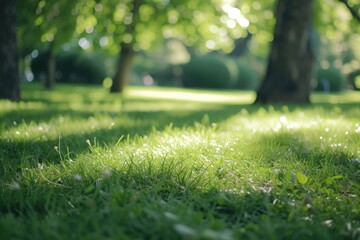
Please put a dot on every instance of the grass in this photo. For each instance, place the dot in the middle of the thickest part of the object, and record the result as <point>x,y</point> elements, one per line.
<point>162,163</point>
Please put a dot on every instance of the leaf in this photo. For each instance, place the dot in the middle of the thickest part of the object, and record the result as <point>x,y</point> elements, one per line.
<point>331,180</point>
<point>89,189</point>
<point>301,178</point>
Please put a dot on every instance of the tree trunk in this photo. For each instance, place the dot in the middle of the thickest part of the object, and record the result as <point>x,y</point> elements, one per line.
<point>9,68</point>
<point>241,46</point>
<point>289,72</point>
<point>127,52</point>
<point>50,67</point>
<point>123,68</point>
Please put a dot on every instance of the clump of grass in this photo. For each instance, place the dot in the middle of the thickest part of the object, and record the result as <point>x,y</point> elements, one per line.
<point>220,170</point>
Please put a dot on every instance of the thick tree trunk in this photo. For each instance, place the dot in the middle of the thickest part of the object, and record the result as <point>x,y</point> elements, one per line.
<point>9,68</point>
<point>50,67</point>
<point>289,72</point>
<point>123,69</point>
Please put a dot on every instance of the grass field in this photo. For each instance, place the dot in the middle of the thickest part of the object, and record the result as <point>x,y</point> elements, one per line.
<point>163,163</point>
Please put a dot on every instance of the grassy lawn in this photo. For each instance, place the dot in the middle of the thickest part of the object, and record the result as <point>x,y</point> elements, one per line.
<point>163,163</point>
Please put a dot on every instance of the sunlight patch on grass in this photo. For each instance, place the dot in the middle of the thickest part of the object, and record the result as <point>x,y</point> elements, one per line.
<point>337,98</point>
<point>231,97</point>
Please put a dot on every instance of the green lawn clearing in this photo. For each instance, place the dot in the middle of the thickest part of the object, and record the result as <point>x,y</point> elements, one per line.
<point>165,163</point>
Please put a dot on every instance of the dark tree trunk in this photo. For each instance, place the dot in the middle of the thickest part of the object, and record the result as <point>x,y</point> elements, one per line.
<point>123,68</point>
<point>127,52</point>
<point>50,67</point>
<point>291,60</point>
<point>241,46</point>
<point>9,68</point>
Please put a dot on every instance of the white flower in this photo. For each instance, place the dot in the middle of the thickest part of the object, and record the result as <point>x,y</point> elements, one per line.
<point>14,186</point>
<point>78,177</point>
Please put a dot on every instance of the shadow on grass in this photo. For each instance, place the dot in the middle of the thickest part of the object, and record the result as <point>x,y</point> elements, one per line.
<point>145,115</point>
<point>313,157</point>
<point>19,153</point>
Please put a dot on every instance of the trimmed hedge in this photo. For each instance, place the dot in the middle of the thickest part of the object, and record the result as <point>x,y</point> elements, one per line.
<point>217,71</point>
<point>247,78</point>
<point>210,71</point>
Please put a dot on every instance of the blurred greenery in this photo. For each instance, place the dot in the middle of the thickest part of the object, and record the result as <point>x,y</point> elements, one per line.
<point>248,78</point>
<point>167,34</point>
<point>72,66</point>
<point>330,79</point>
<point>210,71</point>
<point>221,72</point>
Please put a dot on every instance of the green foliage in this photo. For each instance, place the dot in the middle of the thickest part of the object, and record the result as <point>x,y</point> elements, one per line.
<point>210,71</point>
<point>330,79</point>
<point>163,74</point>
<point>158,20</point>
<point>217,71</point>
<point>247,78</point>
<point>169,75</point>
<point>72,66</point>
<point>354,78</point>
<point>43,22</point>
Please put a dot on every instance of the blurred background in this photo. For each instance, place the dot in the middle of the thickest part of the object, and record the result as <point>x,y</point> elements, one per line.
<point>217,44</point>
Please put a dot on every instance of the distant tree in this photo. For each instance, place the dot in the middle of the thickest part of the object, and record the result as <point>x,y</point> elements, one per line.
<point>9,75</point>
<point>127,50</point>
<point>131,26</point>
<point>46,24</point>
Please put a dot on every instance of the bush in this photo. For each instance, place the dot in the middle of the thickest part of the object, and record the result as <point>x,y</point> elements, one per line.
<point>38,66</point>
<point>354,78</point>
<point>247,78</point>
<point>210,71</point>
<point>72,67</point>
<point>330,79</point>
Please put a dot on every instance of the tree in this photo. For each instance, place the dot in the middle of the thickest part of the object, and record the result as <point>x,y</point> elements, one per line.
<point>131,26</point>
<point>49,24</point>
<point>354,10</point>
<point>9,75</point>
<point>289,72</point>
<point>288,76</point>
<point>127,51</point>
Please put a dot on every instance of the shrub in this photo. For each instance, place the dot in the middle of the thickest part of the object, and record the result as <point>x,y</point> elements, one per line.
<point>89,69</point>
<point>330,79</point>
<point>38,66</point>
<point>247,78</point>
<point>210,71</point>
<point>170,75</point>
<point>354,78</point>
<point>72,67</point>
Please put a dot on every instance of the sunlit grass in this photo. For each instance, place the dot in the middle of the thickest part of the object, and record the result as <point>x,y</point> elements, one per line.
<point>166,163</point>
